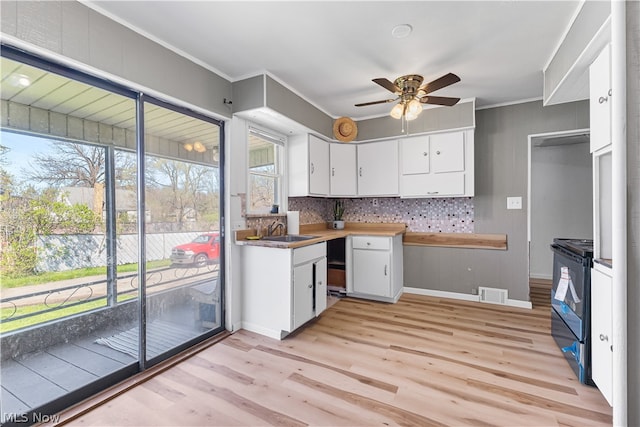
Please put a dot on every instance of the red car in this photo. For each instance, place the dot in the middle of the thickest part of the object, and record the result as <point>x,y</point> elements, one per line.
<point>203,250</point>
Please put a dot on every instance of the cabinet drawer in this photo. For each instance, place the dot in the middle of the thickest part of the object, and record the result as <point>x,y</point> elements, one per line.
<point>308,253</point>
<point>371,242</point>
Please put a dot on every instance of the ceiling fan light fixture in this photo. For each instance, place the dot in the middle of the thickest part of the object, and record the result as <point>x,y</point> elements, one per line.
<point>410,116</point>
<point>199,147</point>
<point>397,110</point>
<point>414,108</point>
<point>188,146</point>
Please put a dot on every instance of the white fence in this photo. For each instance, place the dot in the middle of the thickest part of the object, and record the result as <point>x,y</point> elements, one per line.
<point>70,252</point>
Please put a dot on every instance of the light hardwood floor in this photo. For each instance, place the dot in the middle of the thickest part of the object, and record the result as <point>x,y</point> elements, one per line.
<point>423,361</point>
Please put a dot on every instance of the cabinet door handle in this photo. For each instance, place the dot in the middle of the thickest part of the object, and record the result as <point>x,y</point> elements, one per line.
<point>385,269</point>
<point>310,285</point>
<point>432,192</point>
<point>360,171</point>
<point>313,168</point>
<point>603,337</point>
<point>602,99</point>
<point>438,153</point>
<point>424,153</point>
<point>609,93</point>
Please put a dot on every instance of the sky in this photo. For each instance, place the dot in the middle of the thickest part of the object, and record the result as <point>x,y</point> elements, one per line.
<point>22,148</point>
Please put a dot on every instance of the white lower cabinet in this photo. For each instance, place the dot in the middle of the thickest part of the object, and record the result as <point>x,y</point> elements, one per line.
<point>283,288</point>
<point>374,267</point>
<point>601,331</point>
<point>309,291</point>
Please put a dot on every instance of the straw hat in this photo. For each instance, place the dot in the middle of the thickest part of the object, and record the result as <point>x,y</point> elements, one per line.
<point>345,129</point>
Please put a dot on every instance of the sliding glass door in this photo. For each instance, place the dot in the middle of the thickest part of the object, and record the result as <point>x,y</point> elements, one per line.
<point>182,228</point>
<point>110,239</point>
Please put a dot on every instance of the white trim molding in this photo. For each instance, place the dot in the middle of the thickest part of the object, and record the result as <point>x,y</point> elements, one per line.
<point>461,296</point>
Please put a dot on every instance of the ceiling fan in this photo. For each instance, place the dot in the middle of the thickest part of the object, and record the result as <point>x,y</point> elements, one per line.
<point>411,94</point>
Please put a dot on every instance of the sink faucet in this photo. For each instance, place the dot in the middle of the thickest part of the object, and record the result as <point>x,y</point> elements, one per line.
<point>274,226</point>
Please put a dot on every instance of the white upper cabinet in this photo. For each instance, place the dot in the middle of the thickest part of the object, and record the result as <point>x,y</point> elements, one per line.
<point>343,178</point>
<point>318,166</point>
<point>308,166</point>
<point>447,152</point>
<point>378,169</point>
<point>439,165</point>
<point>415,155</point>
<point>600,100</point>
<point>436,165</point>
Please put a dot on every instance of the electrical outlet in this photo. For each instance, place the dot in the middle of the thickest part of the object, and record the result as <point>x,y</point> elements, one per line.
<point>514,202</point>
<point>474,291</point>
<point>374,202</point>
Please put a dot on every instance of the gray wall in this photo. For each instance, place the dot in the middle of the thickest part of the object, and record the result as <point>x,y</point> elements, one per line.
<point>75,31</point>
<point>561,200</point>
<point>282,100</point>
<point>501,145</point>
<point>633,206</point>
<point>431,120</point>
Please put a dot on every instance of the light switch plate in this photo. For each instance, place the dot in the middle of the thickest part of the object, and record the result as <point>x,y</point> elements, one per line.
<point>514,202</point>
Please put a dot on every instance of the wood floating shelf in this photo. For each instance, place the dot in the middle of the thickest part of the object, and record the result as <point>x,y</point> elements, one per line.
<point>457,240</point>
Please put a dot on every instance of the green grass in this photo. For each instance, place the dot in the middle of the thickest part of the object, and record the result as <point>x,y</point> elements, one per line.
<point>37,279</point>
<point>52,315</point>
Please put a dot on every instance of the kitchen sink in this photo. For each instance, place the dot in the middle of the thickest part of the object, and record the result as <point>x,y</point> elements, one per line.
<point>288,238</point>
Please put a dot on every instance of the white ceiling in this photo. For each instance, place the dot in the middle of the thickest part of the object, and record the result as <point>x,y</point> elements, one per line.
<point>328,51</point>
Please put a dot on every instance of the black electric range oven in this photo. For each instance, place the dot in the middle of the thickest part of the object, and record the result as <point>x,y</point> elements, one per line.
<point>571,303</point>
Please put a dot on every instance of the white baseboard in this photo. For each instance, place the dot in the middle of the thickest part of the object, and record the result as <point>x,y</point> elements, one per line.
<point>262,330</point>
<point>461,296</point>
<point>519,303</point>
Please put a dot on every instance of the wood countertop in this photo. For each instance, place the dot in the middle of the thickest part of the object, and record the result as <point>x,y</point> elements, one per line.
<point>457,240</point>
<point>322,234</point>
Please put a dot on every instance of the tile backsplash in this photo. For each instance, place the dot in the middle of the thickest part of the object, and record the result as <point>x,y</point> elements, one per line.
<point>438,215</point>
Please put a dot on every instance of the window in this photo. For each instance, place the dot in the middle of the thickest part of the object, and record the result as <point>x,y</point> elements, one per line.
<point>266,152</point>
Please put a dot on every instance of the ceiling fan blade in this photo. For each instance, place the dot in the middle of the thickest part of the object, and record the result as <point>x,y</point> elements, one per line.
<point>376,102</point>
<point>439,100</point>
<point>388,85</point>
<point>439,83</point>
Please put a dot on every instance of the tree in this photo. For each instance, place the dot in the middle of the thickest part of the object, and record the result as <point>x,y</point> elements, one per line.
<point>39,214</point>
<point>73,164</point>
<point>70,164</point>
<point>181,190</point>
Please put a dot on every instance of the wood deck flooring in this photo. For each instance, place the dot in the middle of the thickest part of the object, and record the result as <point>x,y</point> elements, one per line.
<point>37,378</point>
<point>421,362</point>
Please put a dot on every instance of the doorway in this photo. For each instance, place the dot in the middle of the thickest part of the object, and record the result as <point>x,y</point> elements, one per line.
<point>560,196</point>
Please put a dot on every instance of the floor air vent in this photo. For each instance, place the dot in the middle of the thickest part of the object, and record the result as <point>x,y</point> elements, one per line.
<point>493,295</point>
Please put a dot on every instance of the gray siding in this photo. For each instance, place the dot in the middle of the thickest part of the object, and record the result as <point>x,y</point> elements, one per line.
<point>73,30</point>
<point>501,140</point>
